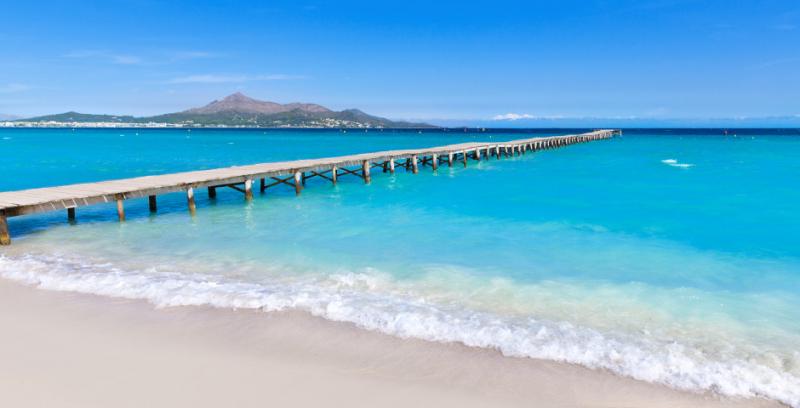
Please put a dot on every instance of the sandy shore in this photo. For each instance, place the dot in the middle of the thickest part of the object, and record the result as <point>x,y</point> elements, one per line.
<point>71,350</point>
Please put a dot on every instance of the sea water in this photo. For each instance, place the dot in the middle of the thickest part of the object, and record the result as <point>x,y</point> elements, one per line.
<point>669,256</point>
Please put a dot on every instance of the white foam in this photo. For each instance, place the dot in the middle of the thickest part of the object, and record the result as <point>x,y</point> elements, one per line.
<point>347,297</point>
<point>674,163</point>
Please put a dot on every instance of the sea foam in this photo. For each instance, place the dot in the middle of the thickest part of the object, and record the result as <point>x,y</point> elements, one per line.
<point>347,298</point>
<point>674,163</point>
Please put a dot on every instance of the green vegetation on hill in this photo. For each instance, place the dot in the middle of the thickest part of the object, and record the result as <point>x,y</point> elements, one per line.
<point>81,117</point>
<point>238,110</point>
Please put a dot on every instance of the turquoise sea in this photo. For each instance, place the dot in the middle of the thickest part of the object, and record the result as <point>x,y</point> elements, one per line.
<point>670,256</point>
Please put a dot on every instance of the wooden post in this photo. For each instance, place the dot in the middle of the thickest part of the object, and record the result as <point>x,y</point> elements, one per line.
<point>435,162</point>
<point>190,201</point>
<point>5,236</point>
<point>391,166</point>
<point>248,189</point>
<point>464,157</point>
<point>298,182</point>
<point>120,209</point>
<point>334,174</point>
<point>365,170</point>
<point>450,159</point>
<point>263,185</point>
<point>152,203</point>
<point>478,154</point>
<point>212,193</point>
<point>304,178</point>
<point>71,215</point>
<point>414,166</point>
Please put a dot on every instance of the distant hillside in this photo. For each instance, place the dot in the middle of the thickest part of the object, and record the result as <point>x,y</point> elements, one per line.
<point>242,111</point>
<point>241,103</point>
<point>4,116</point>
<point>81,117</point>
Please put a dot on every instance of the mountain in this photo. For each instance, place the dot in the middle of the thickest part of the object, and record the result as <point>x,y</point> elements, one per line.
<point>241,103</point>
<point>239,110</point>
<point>81,117</point>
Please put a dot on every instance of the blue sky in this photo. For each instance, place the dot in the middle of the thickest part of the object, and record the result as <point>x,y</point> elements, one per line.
<point>447,61</point>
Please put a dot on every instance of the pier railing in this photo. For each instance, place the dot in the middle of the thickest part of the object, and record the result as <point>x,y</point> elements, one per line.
<point>242,178</point>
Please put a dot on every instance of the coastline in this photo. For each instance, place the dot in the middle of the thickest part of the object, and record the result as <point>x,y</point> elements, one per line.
<point>87,350</point>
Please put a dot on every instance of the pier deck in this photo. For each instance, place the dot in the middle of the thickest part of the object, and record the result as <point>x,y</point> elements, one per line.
<point>241,178</point>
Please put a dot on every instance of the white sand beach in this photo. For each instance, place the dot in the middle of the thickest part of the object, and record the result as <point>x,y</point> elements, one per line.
<point>63,349</point>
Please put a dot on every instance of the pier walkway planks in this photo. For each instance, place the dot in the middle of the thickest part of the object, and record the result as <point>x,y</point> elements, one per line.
<point>293,173</point>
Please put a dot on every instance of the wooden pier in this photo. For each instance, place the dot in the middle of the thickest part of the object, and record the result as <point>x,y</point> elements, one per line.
<point>241,178</point>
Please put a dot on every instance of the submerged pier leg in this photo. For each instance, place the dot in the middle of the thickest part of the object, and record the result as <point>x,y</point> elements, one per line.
<point>365,171</point>
<point>391,166</point>
<point>71,215</point>
<point>190,201</point>
<point>478,154</point>
<point>334,174</point>
<point>450,159</point>
<point>248,189</point>
<point>5,237</point>
<point>212,193</point>
<point>120,209</point>
<point>298,182</point>
<point>414,165</point>
<point>464,157</point>
<point>152,203</point>
<point>263,186</point>
<point>435,162</point>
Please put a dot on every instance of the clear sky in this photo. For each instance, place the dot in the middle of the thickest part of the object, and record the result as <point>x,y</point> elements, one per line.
<point>407,59</point>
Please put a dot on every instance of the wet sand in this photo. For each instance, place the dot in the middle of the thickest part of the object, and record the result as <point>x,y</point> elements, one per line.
<point>63,349</point>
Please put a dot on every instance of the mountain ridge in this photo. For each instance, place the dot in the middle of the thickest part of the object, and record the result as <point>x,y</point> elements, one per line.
<point>239,110</point>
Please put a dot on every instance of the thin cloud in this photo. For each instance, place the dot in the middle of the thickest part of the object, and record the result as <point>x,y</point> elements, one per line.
<point>189,55</point>
<point>13,88</point>
<point>126,60</point>
<point>782,61</point>
<point>227,79</point>
<point>785,27</point>
<point>513,116</point>
<point>114,58</point>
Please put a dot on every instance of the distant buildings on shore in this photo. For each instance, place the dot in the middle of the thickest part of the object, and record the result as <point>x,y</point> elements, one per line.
<point>319,123</point>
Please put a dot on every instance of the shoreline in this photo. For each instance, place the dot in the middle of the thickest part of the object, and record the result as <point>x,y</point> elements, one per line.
<point>87,350</point>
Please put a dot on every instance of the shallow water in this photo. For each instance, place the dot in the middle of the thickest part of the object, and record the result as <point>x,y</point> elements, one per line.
<point>667,256</point>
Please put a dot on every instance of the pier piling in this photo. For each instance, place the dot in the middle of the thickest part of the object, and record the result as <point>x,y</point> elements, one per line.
<point>365,166</point>
<point>5,236</point>
<point>248,189</point>
<point>190,200</point>
<point>153,203</point>
<point>120,209</point>
<point>298,182</point>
